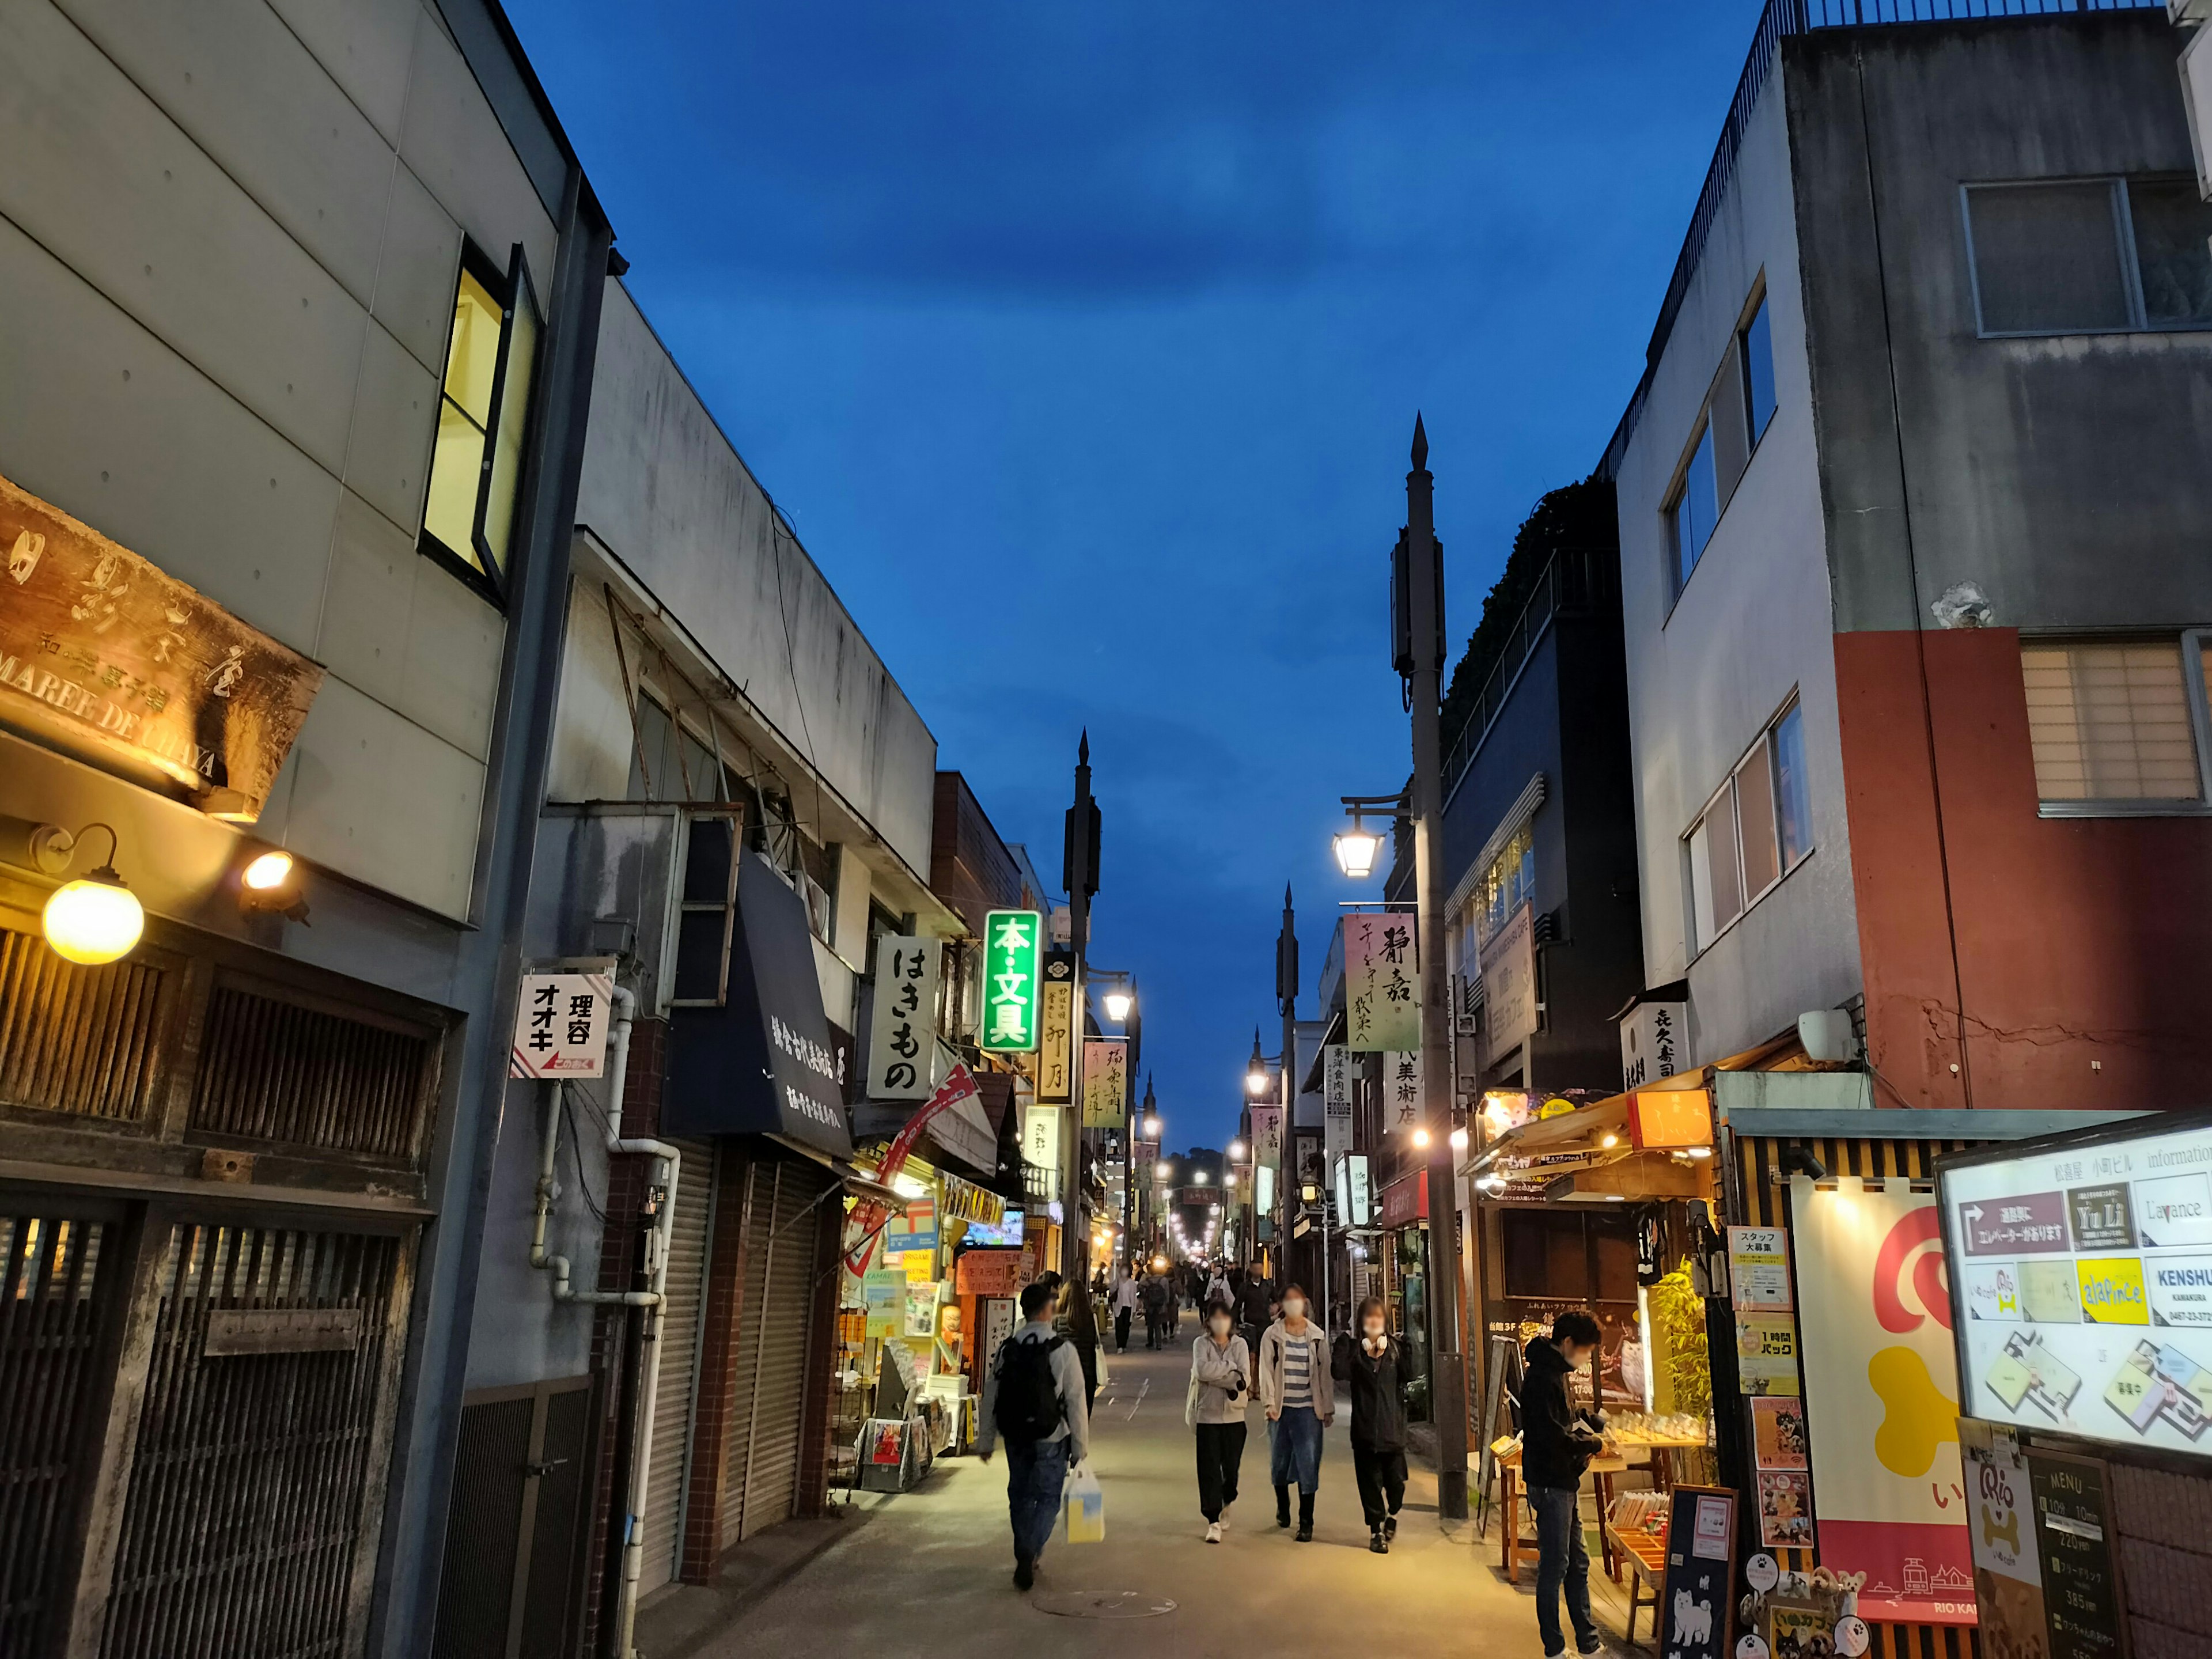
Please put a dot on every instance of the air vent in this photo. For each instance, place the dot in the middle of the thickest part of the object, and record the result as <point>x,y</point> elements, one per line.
<point>277,1072</point>
<point>77,1040</point>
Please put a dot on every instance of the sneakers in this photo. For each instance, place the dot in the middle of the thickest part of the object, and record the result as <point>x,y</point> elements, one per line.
<point>1389,1529</point>
<point>1225,1509</point>
<point>1214,1532</point>
<point>1024,1572</point>
<point>1378,1543</point>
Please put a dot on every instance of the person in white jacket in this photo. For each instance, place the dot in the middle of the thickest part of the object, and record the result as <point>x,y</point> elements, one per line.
<point>1125,1308</point>
<point>1300,1397</point>
<point>1220,1390</point>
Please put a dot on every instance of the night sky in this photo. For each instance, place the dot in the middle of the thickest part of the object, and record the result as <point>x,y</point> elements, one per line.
<point>1081,341</point>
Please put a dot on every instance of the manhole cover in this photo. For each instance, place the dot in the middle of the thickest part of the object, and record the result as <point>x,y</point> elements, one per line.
<point>1102,1604</point>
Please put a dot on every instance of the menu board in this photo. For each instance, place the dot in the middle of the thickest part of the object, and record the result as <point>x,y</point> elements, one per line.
<point>2073,1545</point>
<point>2081,1279</point>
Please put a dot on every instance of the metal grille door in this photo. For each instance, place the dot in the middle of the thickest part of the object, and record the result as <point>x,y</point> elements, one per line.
<point>679,1356</point>
<point>775,1336</point>
<point>53,1298</point>
<point>254,1445</point>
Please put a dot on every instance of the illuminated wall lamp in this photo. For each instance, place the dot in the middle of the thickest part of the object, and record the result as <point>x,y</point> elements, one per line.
<point>94,920</point>
<point>270,884</point>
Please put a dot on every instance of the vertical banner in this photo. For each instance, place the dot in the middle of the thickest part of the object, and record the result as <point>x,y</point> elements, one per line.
<point>1382,982</point>
<point>2008,1575</point>
<point>1012,958</point>
<point>1041,1143</point>
<point>1055,1082</point>
<point>1267,1137</point>
<point>902,1026</point>
<point>1105,1082</point>
<point>1881,1386</point>
<point>1336,1102</point>
<point>1401,1091</point>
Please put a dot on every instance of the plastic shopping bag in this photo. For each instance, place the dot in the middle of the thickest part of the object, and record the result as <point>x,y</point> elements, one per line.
<point>1083,1506</point>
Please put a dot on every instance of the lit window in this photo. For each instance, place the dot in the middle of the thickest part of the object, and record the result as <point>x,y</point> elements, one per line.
<point>2083,256</point>
<point>2112,721</point>
<point>1753,832</point>
<point>1509,882</point>
<point>1695,507</point>
<point>476,472</point>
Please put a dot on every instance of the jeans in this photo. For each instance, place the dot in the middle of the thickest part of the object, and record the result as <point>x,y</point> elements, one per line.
<point>1381,1477</point>
<point>1220,1450</point>
<point>1295,1441</point>
<point>1035,1473</point>
<point>1561,1559</point>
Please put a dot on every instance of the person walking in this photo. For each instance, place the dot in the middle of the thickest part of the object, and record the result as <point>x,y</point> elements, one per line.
<point>1217,1291</point>
<point>1125,1308</point>
<point>1557,1443</point>
<point>1034,1399</point>
<point>1254,1309</point>
<point>1149,1298</point>
<point>1220,1389</point>
<point>1371,1365</point>
<point>1300,1400</point>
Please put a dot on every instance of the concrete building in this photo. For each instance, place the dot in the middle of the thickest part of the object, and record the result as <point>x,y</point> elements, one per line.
<point>1912,519</point>
<point>297,314</point>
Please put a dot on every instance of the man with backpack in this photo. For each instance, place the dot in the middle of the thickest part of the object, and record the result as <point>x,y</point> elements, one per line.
<point>1034,1400</point>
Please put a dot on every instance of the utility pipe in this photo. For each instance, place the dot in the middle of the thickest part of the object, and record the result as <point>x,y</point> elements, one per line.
<point>653,1298</point>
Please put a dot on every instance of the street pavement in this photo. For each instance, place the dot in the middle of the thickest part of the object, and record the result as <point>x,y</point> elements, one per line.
<point>930,1573</point>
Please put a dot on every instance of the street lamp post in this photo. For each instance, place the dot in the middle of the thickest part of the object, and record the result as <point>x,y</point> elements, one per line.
<point>1079,873</point>
<point>1286,998</point>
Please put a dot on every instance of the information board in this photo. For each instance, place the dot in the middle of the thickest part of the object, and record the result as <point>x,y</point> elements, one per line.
<point>1697,1604</point>
<point>2081,1280</point>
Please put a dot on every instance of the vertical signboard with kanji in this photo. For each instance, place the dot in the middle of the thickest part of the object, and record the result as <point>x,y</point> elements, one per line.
<point>1013,955</point>
<point>902,1031</point>
<point>1381,983</point>
<point>1401,1091</point>
<point>1055,1079</point>
<point>1041,1144</point>
<point>1105,1082</point>
<point>1336,1101</point>
<point>561,1023</point>
<point>1267,1137</point>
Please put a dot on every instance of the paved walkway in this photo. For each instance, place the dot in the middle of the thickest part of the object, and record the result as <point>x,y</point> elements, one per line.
<point>930,1573</point>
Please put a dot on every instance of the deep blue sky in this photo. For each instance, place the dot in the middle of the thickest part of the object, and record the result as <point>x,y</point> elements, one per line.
<point>1081,341</point>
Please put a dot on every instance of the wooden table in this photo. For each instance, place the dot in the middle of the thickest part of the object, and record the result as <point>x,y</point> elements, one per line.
<point>1645,1552</point>
<point>1513,1544</point>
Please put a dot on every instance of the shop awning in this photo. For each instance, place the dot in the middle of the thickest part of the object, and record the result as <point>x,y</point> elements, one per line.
<point>1592,1153</point>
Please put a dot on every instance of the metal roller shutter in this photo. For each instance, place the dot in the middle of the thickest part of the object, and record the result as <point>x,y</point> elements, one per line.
<point>679,1351</point>
<point>774,1340</point>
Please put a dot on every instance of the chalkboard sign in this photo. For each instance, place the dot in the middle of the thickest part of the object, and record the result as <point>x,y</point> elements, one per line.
<point>2073,1543</point>
<point>1697,1603</point>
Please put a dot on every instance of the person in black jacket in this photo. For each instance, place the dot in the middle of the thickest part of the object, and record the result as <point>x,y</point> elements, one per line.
<point>1557,1443</point>
<point>1371,1365</point>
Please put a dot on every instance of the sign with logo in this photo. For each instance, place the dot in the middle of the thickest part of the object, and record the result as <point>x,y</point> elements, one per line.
<point>914,1231</point>
<point>561,1023</point>
<point>1055,1081</point>
<point>1040,1142</point>
<point>1012,961</point>
<point>1382,982</point>
<point>902,1026</point>
<point>1401,1091</point>
<point>1881,1399</point>
<point>1105,1082</point>
<point>1651,1041</point>
<point>109,655</point>
<point>2106,1241</point>
<point>1509,985</point>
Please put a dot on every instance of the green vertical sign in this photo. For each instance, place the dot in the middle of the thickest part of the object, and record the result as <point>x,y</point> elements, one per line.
<point>1013,949</point>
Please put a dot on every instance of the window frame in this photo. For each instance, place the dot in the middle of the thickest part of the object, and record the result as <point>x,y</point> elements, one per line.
<point>1701,436</point>
<point>2196,641</point>
<point>1754,430</point>
<point>1725,790</point>
<point>1703,433</point>
<point>491,577</point>
<point>2123,232</point>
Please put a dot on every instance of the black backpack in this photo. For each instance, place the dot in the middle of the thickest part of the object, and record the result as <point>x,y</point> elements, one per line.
<point>1027,1407</point>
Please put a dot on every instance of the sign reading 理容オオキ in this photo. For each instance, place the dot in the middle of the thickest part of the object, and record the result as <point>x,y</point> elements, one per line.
<point>102,652</point>
<point>561,1021</point>
<point>1012,953</point>
<point>1381,983</point>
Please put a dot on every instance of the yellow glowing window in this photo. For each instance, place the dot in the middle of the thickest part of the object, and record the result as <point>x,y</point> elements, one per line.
<point>483,420</point>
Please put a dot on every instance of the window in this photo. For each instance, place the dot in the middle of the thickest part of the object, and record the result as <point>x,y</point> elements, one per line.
<point>671,764</point>
<point>1695,507</point>
<point>2117,725</point>
<point>1755,346</point>
<point>483,413</point>
<point>1752,833</point>
<point>2082,256</point>
<point>1509,882</point>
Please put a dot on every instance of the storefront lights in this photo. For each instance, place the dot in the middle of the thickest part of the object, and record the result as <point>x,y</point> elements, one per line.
<point>96,918</point>
<point>268,872</point>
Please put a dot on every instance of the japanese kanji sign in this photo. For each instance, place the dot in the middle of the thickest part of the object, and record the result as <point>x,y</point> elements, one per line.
<point>1336,1067</point>
<point>561,1023</point>
<point>1267,1137</point>
<point>1401,1091</point>
<point>902,1029</point>
<point>1055,1079</point>
<point>1012,953</point>
<point>1040,1126</point>
<point>1509,985</point>
<point>1105,1082</point>
<point>1381,983</point>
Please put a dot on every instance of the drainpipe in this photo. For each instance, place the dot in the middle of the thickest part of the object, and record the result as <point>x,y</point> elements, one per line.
<point>652,1299</point>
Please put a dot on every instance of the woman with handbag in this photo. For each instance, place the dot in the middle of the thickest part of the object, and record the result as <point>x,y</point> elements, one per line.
<point>1220,1388</point>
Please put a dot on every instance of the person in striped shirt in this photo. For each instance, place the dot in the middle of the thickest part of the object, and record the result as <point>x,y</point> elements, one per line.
<point>1296,1389</point>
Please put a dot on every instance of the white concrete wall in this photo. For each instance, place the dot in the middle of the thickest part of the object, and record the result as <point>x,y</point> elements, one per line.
<point>665,491</point>
<point>228,239</point>
<point>1753,621</point>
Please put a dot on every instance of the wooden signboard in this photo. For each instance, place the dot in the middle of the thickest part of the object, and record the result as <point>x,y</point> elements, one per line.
<point>1696,1602</point>
<point>105,654</point>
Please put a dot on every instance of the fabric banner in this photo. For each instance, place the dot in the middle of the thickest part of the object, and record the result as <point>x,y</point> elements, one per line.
<point>1105,1082</point>
<point>1881,1386</point>
<point>1382,982</point>
<point>1267,1137</point>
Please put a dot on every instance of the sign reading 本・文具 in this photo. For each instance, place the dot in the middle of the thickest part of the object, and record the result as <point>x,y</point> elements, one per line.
<point>561,1021</point>
<point>901,1033</point>
<point>1401,1091</point>
<point>1013,954</point>
<point>1381,983</point>
<point>1055,1081</point>
<point>106,653</point>
<point>1105,1082</point>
